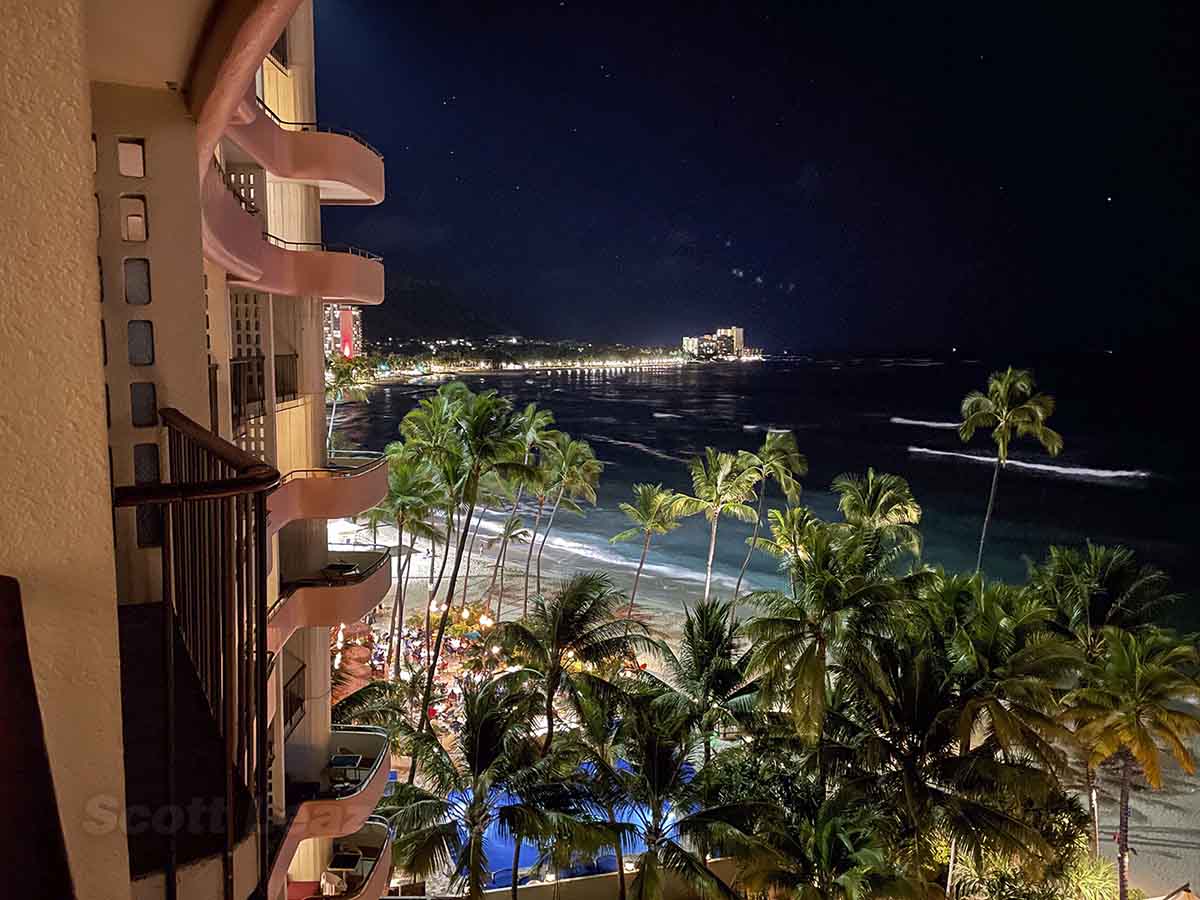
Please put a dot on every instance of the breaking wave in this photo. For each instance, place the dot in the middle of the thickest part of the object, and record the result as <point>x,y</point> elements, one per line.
<point>897,420</point>
<point>634,445</point>
<point>667,415</point>
<point>1082,472</point>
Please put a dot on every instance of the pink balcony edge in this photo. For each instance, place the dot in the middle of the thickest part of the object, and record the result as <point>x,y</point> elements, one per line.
<point>334,816</point>
<point>326,493</point>
<point>336,277</point>
<point>381,873</point>
<point>312,157</point>
<point>329,605</point>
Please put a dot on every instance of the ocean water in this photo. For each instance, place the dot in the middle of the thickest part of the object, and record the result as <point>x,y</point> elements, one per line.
<point>1124,475</point>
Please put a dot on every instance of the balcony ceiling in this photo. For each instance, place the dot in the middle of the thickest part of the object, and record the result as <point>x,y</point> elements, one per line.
<point>149,43</point>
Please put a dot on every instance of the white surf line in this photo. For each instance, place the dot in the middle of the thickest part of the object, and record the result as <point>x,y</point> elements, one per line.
<point>897,420</point>
<point>1078,471</point>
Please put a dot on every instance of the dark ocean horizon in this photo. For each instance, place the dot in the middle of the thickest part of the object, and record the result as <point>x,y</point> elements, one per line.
<point>1124,475</point>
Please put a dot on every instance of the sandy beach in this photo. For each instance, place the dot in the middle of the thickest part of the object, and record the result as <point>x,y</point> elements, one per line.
<point>661,600</point>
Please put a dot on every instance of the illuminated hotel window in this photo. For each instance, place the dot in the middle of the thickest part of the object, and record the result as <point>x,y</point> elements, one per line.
<point>131,157</point>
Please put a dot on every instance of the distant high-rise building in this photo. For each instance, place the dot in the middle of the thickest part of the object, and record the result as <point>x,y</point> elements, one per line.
<point>727,342</point>
<point>343,331</point>
<point>736,335</point>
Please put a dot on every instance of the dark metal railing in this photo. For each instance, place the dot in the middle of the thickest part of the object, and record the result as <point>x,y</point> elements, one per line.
<point>335,576</point>
<point>287,376</point>
<point>315,126</point>
<point>324,246</point>
<point>293,702</point>
<point>246,389</point>
<point>214,591</point>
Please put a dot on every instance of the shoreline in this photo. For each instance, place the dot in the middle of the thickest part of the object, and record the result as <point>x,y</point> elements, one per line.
<point>661,599</point>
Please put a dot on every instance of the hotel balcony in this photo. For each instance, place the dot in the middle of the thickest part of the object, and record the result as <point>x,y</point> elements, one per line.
<point>363,860</point>
<point>332,493</point>
<point>338,804</point>
<point>346,589</point>
<point>344,167</point>
<point>233,238</point>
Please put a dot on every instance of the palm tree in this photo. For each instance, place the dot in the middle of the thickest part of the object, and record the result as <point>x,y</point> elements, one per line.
<point>720,486</point>
<point>540,481</point>
<point>514,532</point>
<point>652,512</point>
<point>778,459</point>
<point>391,705</point>
<point>576,471</point>
<point>535,432</point>
<point>1091,590</point>
<point>706,679</point>
<point>480,780</point>
<point>881,507</point>
<point>788,527</point>
<point>566,636</point>
<point>1007,664</point>
<point>836,607</point>
<point>896,741</point>
<point>493,491</point>
<point>1140,697</point>
<point>657,790</point>
<point>599,714</point>
<point>832,852</point>
<point>485,439</point>
<point>1009,409</point>
<point>345,379</point>
<point>412,495</point>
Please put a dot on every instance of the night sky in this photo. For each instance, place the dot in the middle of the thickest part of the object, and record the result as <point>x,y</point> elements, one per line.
<point>834,177</point>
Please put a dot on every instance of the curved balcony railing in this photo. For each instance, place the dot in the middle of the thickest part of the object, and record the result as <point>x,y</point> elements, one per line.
<point>364,862</point>
<point>331,493</point>
<point>343,167</point>
<point>317,127</point>
<point>350,586</point>
<point>343,799</point>
<point>320,246</point>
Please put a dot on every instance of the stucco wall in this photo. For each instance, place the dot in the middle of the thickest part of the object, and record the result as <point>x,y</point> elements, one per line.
<point>56,517</point>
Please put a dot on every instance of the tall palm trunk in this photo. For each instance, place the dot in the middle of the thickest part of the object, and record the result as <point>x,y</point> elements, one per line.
<point>441,633</point>
<point>1093,809</point>
<point>737,590</point>
<point>512,517</point>
<point>529,555</point>
<point>987,516</point>
<point>612,820</point>
<point>436,586</point>
<point>393,658</point>
<point>546,535</point>
<point>470,553</point>
<point>638,575</point>
<point>516,861</point>
<point>500,599</point>
<point>712,550</point>
<point>1123,831</point>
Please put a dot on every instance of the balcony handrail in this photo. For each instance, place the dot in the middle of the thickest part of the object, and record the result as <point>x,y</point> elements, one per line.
<point>251,474</point>
<point>361,574</point>
<point>317,126</point>
<point>329,472</point>
<point>323,246</point>
<point>385,753</point>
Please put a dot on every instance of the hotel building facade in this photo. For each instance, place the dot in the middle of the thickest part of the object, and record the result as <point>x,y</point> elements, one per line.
<point>166,586</point>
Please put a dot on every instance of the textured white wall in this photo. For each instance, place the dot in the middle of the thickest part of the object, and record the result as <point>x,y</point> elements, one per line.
<point>55,518</point>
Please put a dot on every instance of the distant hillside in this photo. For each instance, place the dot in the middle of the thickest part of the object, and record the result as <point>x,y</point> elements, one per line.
<point>415,308</point>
